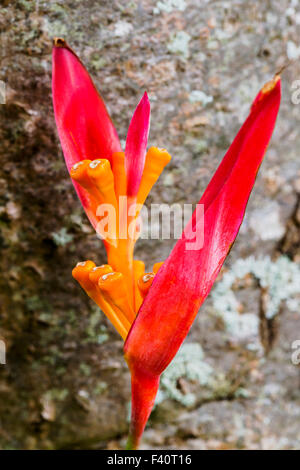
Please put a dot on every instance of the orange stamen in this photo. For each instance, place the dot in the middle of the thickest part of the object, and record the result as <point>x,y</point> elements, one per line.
<point>119,293</point>
<point>95,274</point>
<point>138,269</point>
<point>113,288</point>
<point>79,174</point>
<point>118,168</point>
<point>81,273</point>
<point>145,282</point>
<point>99,172</point>
<point>156,160</point>
<point>122,259</point>
<point>97,178</point>
<point>99,271</point>
<point>157,266</point>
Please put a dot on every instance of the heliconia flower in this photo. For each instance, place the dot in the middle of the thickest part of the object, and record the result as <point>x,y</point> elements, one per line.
<point>168,298</point>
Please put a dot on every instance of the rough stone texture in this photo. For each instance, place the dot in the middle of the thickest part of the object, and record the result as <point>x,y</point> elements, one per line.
<point>65,384</point>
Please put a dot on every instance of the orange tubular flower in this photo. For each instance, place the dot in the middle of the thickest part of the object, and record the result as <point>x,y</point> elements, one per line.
<point>167,299</point>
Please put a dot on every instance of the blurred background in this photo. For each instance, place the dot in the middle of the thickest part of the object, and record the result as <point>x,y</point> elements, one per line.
<point>235,383</point>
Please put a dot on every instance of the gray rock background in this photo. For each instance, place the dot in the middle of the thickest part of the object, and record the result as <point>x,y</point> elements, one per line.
<point>65,384</point>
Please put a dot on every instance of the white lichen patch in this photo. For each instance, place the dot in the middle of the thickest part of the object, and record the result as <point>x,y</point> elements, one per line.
<point>168,6</point>
<point>122,28</point>
<point>292,51</point>
<point>266,222</point>
<point>281,278</point>
<point>198,96</point>
<point>179,44</point>
<point>189,364</point>
<point>62,237</point>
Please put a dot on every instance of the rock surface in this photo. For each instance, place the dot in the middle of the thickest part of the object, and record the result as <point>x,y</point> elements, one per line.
<point>65,384</point>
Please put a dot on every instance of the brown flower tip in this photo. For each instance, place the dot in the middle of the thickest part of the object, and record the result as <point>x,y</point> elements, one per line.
<point>59,42</point>
<point>268,87</point>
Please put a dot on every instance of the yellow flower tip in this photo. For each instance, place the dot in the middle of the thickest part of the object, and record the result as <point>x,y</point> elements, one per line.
<point>157,266</point>
<point>145,282</point>
<point>98,271</point>
<point>81,273</point>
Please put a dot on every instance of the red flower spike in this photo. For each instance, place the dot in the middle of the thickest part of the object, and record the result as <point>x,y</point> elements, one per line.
<point>186,277</point>
<point>136,145</point>
<point>84,126</point>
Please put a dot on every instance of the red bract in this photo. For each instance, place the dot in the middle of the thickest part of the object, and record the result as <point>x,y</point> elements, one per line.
<point>167,299</point>
<point>136,146</point>
<point>186,277</point>
<point>83,123</point>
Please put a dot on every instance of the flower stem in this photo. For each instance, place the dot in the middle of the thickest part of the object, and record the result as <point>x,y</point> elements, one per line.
<point>144,387</point>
